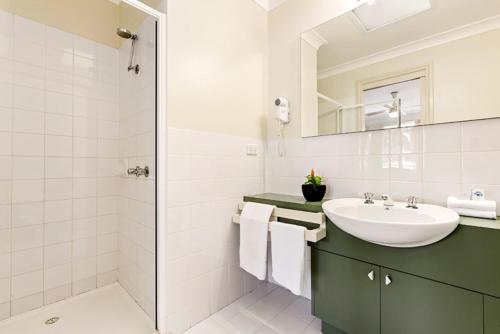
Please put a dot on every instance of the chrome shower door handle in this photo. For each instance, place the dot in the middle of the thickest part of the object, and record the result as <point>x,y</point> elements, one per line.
<point>138,171</point>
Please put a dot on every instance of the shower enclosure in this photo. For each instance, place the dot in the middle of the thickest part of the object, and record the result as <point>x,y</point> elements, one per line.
<point>78,191</point>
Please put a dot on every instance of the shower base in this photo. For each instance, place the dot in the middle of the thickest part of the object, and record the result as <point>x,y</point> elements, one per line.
<point>108,310</point>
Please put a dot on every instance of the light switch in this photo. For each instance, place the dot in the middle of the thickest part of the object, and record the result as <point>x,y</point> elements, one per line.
<point>251,149</point>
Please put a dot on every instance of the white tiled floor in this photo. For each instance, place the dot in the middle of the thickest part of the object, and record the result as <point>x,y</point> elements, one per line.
<point>267,310</point>
<point>108,310</point>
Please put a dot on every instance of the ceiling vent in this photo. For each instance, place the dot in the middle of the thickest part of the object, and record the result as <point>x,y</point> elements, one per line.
<point>384,12</point>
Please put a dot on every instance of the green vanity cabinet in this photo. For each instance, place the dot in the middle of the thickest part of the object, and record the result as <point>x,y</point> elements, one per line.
<point>415,305</point>
<point>347,293</point>
<point>356,297</point>
<point>491,315</point>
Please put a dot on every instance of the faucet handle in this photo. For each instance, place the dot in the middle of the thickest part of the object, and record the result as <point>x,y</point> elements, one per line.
<point>412,202</point>
<point>368,197</point>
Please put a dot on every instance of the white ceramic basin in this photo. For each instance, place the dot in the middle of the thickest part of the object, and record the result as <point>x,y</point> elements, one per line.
<point>395,226</point>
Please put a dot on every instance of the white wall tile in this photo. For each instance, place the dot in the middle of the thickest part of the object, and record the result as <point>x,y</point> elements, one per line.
<point>58,168</point>
<point>42,87</point>
<point>57,254</point>
<point>58,211</point>
<point>481,136</point>
<point>84,228</point>
<point>5,119</point>
<point>29,52</point>
<point>406,140</point>
<point>59,40</point>
<point>27,168</point>
<point>442,167</point>
<point>29,98</point>
<point>442,138</point>
<point>5,168</point>
<point>27,284</point>
<point>29,30</point>
<point>5,247</point>
<point>27,144</point>
<point>59,103</point>
<point>59,61</point>
<point>27,260</point>
<point>58,189</point>
<point>58,146</point>
<point>478,167</point>
<point>6,213</point>
<point>5,290</point>
<point>27,191</point>
<point>6,23</point>
<point>84,47</point>
<point>28,121</point>
<point>57,233</point>
<point>57,276</point>
<point>26,304</point>
<point>26,214</point>
<point>29,75</point>
<point>27,237</point>
<point>58,125</point>
<point>6,94</point>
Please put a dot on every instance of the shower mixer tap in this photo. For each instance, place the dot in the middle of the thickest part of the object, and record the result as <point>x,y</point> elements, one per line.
<point>138,171</point>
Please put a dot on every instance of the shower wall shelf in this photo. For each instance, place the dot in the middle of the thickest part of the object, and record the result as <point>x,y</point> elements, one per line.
<point>317,218</point>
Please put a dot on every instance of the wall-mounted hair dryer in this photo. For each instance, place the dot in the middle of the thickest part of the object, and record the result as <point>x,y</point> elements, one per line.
<point>283,117</point>
<point>283,111</point>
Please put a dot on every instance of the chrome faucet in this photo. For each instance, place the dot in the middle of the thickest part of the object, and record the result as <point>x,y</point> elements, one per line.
<point>368,197</point>
<point>138,171</point>
<point>388,201</point>
<point>412,202</point>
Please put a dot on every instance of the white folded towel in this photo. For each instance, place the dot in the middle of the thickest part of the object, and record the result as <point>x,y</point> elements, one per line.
<point>475,213</point>
<point>288,249</point>
<point>463,202</point>
<point>254,225</point>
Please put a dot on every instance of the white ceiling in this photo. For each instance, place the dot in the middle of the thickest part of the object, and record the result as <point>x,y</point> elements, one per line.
<point>269,4</point>
<point>348,41</point>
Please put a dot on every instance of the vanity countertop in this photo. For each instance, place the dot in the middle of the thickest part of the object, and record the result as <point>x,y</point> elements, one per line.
<point>299,203</point>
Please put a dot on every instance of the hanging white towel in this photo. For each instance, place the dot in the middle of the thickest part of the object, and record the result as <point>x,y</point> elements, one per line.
<point>288,249</point>
<point>254,225</point>
<point>462,202</point>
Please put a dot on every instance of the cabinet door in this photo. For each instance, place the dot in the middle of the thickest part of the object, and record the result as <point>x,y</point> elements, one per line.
<point>344,295</point>
<point>491,315</point>
<point>414,305</point>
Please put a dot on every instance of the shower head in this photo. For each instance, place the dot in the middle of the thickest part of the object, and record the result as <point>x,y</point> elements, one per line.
<point>125,33</point>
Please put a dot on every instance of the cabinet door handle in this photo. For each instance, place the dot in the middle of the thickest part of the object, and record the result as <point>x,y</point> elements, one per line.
<point>371,275</point>
<point>388,280</point>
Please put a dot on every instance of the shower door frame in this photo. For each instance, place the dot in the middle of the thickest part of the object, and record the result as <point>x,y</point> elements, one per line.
<point>161,159</point>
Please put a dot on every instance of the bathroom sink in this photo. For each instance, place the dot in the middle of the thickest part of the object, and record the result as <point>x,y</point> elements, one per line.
<point>394,226</point>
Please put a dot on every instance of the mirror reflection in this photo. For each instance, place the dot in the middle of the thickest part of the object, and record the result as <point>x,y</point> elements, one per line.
<point>395,63</point>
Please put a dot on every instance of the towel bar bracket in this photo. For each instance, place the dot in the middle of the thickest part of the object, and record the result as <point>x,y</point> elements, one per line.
<point>318,218</point>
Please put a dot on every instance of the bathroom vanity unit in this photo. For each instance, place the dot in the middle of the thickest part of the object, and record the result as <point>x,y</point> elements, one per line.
<point>452,286</point>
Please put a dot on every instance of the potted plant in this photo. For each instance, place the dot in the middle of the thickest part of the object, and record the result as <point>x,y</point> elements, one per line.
<point>312,189</point>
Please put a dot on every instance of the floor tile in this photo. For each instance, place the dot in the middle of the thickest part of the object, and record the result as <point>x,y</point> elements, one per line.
<point>286,323</point>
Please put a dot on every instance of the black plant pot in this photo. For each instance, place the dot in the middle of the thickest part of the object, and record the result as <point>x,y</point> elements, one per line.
<point>313,193</point>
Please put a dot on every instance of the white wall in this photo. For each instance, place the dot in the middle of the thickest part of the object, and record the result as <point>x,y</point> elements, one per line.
<point>58,167</point>
<point>137,148</point>
<point>216,66</point>
<point>216,89</point>
<point>208,176</point>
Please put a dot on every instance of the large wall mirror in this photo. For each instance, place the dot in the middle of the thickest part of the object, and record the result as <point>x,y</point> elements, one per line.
<point>397,63</point>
